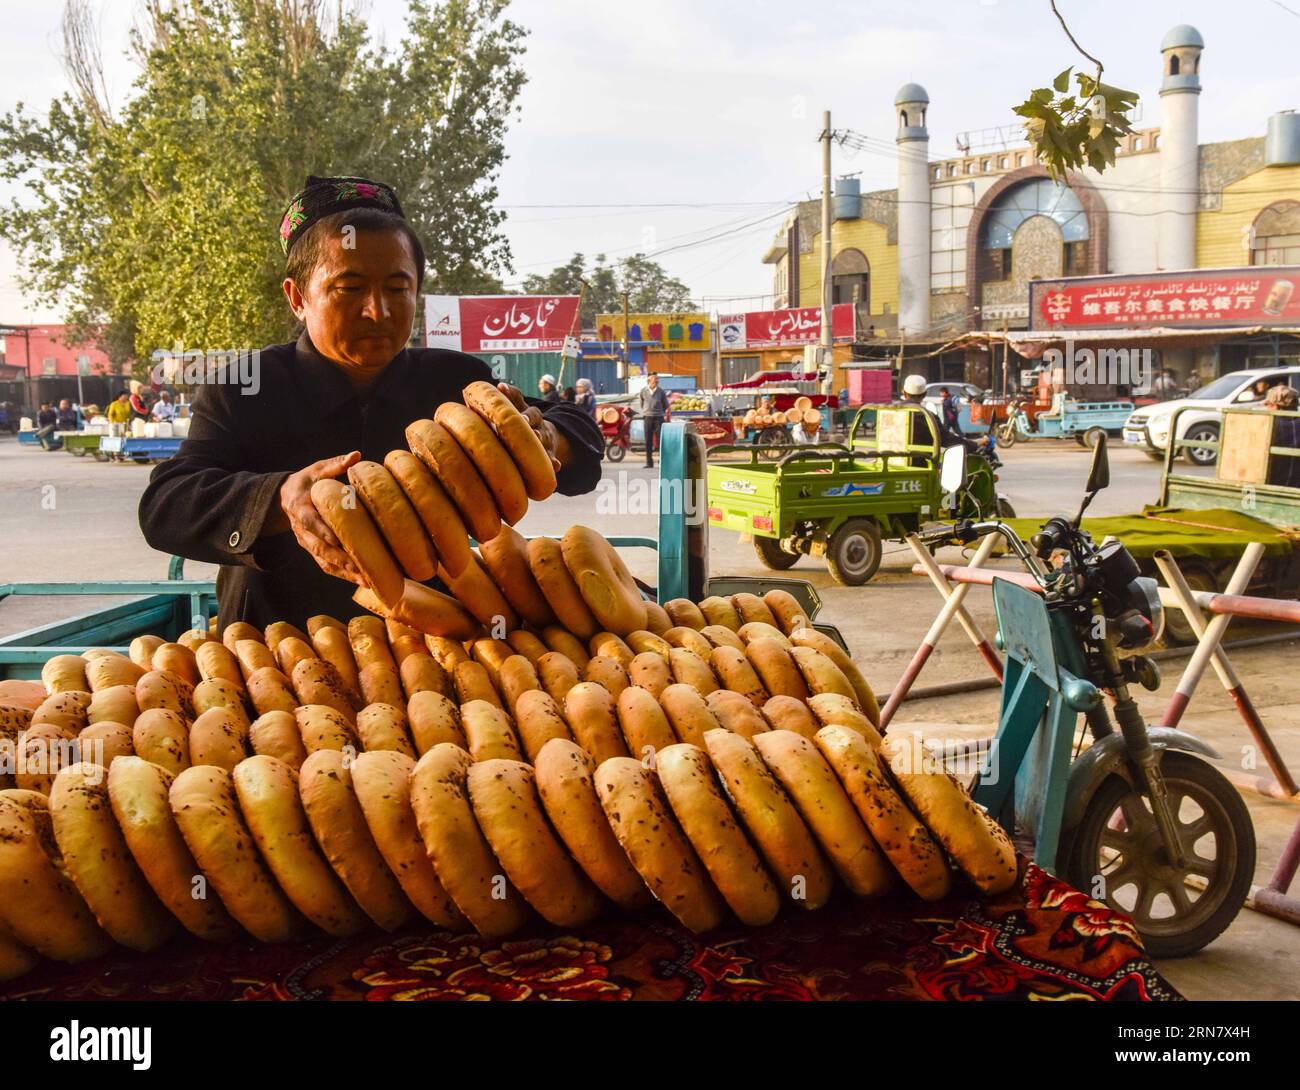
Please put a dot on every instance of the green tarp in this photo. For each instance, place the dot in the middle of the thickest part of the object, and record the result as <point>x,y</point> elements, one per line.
<point>1214,534</point>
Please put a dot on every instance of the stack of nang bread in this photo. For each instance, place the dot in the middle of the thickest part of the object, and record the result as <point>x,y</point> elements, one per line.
<point>366,774</point>
<point>470,471</point>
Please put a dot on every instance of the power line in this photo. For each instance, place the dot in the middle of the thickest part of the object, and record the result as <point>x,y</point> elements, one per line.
<point>658,251</point>
<point>655,204</point>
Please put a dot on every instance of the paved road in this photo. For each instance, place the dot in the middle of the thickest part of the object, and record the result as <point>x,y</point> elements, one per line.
<point>70,519</point>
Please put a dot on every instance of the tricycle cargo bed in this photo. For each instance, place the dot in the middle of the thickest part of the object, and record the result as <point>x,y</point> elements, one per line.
<point>813,484</point>
<point>1209,534</point>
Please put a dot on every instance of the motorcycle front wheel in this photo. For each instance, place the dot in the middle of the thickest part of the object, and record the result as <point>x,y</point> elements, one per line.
<point>1116,855</point>
<point>1007,435</point>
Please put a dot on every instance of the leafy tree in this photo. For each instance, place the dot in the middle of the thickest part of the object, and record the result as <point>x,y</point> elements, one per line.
<point>158,224</point>
<point>649,287</point>
<point>1071,130</point>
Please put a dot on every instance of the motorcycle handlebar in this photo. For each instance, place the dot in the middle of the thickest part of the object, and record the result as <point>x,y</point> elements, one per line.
<point>966,532</point>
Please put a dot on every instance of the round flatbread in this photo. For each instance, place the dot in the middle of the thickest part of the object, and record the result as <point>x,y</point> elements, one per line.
<point>267,790</point>
<point>829,812</point>
<point>506,559</point>
<point>604,582</point>
<point>589,711</point>
<point>538,718</point>
<point>901,836</point>
<point>489,456</point>
<point>511,818</point>
<point>438,450</point>
<point>461,855</point>
<point>476,592</point>
<point>339,826</point>
<point>564,780</point>
<point>137,792</point>
<point>687,778</point>
<point>735,713</point>
<point>645,727</point>
<point>49,916</point>
<point>546,560</point>
<point>400,526</point>
<point>772,819</point>
<point>977,843</point>
<point>360,538</point>
<point>435,509</point>
<point>381,782</point>
<point>516,435</point>
<point>202,800</point>
<point>654,842</point>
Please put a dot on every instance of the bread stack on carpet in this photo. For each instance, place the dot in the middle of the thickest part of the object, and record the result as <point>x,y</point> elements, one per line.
<point>365,774</point>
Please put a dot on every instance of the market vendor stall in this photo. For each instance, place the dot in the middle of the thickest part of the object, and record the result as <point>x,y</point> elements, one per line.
<point>858,896</point>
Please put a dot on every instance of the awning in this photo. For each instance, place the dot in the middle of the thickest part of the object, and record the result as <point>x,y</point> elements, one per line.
<point>1033,345</point>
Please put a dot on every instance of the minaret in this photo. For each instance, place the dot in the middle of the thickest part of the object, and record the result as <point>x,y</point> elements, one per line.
<point>1179,148</point>
<point>913,209</point>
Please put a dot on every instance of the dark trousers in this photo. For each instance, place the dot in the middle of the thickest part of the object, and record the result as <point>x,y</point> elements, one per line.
<point>652,426</point>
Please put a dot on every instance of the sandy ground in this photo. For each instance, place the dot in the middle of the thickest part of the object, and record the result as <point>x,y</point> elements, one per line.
<point>68,519</point>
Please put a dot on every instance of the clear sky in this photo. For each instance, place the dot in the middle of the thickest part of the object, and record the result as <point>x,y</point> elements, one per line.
<point>702,115</point>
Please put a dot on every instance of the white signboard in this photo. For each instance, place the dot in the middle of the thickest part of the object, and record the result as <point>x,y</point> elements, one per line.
<point>442,321</point>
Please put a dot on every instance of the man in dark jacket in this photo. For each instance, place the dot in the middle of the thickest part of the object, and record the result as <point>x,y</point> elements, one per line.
<point>237,493</point>
<point>1284,469</point>
<point>67,416</point>
<point>47,421</point>
<point>651,404</point>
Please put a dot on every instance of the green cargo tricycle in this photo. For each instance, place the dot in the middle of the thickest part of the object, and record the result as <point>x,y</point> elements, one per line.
<point>840,501</point>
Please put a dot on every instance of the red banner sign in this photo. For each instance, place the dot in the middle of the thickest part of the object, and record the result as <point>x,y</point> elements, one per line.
<point>778,328</point>
<point>1263,295</point>
<point>500,323</point>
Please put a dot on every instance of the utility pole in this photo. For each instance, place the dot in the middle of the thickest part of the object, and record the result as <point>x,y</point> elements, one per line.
<point>826,339</point>
<point>623,368</point>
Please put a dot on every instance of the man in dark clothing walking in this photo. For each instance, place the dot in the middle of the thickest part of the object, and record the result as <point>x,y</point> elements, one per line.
<point>1284,469</point>
<point>651,404</point>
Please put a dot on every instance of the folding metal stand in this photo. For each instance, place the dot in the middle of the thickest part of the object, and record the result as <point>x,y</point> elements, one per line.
<point>952,607</point>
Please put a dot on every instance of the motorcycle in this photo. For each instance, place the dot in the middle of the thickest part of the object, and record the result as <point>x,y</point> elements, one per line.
<point>1139,819</point>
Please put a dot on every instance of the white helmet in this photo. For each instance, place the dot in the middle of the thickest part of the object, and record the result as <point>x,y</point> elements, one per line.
<point>547,378</point>
<point>914,386</point>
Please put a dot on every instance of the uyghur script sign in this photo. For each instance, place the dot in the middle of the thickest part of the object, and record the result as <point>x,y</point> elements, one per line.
<point>500,323</point>
<point>1261,295</point>
<point>778,328</point>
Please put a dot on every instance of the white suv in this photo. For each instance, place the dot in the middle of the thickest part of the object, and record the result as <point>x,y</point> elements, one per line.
<point>1148,427</point>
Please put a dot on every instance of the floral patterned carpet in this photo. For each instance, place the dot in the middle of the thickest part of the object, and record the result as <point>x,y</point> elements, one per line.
<point>1042,940</point>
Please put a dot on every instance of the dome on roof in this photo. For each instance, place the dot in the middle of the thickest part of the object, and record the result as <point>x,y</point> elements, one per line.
<point>1182,35</point>
<point>911,92</point>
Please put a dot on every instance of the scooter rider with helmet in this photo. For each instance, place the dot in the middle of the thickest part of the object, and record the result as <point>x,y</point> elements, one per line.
<point>914,393</point>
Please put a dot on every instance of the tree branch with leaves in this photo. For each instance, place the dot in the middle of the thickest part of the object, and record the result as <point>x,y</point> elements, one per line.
<point>156,222</point>
<point>1071,129</point>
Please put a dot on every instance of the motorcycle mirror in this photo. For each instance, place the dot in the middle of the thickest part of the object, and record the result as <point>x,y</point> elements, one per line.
<point>952,468</point>
<point>1099,472</point>
<point>1098,476</point>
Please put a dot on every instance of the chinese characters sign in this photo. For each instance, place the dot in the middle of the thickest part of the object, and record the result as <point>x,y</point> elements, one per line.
<point>500,323</point>
<point>1262,295</point>
<point>778,328</point>
<point>680,332</point>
